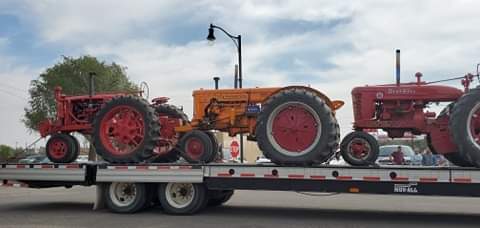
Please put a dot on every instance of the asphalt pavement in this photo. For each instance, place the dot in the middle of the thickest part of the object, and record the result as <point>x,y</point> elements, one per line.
<point>60,207</point>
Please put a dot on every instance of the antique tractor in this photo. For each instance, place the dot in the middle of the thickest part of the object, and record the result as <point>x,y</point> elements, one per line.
<point>402,107</point>
<point>292,125</point>
<point>78,114</point>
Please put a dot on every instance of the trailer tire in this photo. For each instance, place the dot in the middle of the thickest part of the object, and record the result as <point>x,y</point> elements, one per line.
<point>465,126</point>
<point>62,148</point>
<point>362,144</point>
<point>115,124</point>
<point>126,197</point>
<point>198,146</point>
<point>219,197</point>
<point>284,140</point>
<point>182,198</point>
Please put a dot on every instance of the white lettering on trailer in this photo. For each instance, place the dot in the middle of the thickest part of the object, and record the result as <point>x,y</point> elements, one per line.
<point>405,188</point>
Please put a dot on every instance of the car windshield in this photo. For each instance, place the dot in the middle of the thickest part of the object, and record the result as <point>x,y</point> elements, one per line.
<point>385,151</point>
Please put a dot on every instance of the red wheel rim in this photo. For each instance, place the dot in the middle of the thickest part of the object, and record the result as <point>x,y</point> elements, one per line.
<point>359,148</point>
<point>194,148</point>
<point>294,128</point>
<point>57,148</point>
<point>122,130</point>
<point>474,124</point>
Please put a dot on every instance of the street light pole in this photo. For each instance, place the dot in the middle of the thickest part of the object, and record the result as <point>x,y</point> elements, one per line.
<point>237,40</point>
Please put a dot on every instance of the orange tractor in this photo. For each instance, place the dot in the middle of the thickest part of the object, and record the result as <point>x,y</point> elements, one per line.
<point>292,125</point>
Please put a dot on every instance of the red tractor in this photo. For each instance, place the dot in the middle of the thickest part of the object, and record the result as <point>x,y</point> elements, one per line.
<point>122,128</point>
<point>401,107</point>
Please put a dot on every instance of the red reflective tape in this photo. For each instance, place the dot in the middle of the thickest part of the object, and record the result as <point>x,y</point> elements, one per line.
<point>72,166</point>
<point>46,166</point>
<point>163,167</point>
<point>185,167</point>
<point>296,176</point>
<point>224,174</point>
<point>121,167</point>
<point>400,179</point>
<point>247,174</point>
<point>142,167</point>
<point>428,179</point>
<point>371,178</point>
<point>344,178</point>
<point>462,180</point>
<point>270,176</point>
<point>21,166</point>
<point>316,177</point>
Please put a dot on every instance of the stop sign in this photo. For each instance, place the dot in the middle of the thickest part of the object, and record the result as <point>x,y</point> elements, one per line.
<point>234,149</point>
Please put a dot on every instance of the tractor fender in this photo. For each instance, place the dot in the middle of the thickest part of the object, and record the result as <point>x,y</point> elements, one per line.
<point>333,104</point>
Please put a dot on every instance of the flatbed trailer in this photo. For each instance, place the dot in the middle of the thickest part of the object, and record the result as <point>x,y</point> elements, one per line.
<point>187,188</point>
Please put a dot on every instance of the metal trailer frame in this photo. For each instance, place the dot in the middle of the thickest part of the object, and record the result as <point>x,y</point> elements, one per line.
<point>447,181</point>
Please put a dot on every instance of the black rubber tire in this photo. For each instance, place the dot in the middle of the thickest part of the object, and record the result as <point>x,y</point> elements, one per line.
<point>204,138</point>
<point>152,130</point>
<point>173,112</point>
<point>216,146</point>
<point>369,159</point>
<point>199,201</point>
<point>76,150</point>
<point>140,201</point>
<point>330,134</point>
<point>71,152</point>
<point>456,159</point>
<point>458,125</point>
<point>219,197</point>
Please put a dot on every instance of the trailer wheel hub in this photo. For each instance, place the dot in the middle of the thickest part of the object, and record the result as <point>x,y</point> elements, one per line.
<point>179,195</point>
<point>122,130</point>
<point>294,128</point>
<point>123,194</point>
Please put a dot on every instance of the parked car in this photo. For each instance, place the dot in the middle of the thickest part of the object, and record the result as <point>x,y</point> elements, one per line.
<point>34,159</point>
<point>82,159</point>
<point>385,158</point>
<point>262,159</point>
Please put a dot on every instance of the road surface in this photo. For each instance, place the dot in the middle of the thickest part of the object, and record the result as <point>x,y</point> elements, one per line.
<point>59,207</point>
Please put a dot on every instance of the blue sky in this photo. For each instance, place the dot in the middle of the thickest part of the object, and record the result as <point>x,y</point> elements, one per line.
<point>330,45</point>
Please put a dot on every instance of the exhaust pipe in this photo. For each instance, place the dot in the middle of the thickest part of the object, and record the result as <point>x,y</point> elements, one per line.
<point>216,79</point>
<point>397,66</point>
<point>91,87</point>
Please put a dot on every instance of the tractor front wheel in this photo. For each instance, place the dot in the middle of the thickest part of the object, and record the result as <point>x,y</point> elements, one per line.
<point>198,146</point>
<point>62,148</point>
<point>359,148</point>
<point>297,127</point>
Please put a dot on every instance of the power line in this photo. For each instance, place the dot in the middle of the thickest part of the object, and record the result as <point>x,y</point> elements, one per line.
<point>13,95</point>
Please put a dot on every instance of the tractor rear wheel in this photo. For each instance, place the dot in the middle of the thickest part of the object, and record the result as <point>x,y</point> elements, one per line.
<point>198,146</point>
<point>126,130</point>
<point>62,148</point>
<point>359,148</point>
<point>297,127</point>
<point>465,126</point>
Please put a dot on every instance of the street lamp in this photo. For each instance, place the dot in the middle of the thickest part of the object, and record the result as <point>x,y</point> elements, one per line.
<point>237,40</point>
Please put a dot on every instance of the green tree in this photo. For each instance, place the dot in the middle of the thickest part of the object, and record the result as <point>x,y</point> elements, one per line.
<point>6,152</point>
<point>72,74</point>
